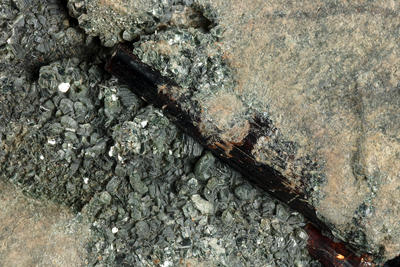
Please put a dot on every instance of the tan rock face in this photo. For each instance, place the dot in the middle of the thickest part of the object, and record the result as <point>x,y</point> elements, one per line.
<point>33,233</point>
<point>327,75</point>
<point>221,111</point>
<point>329,78</point>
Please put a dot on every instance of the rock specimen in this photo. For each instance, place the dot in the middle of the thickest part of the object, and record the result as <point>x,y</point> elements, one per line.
<point>323,74</point>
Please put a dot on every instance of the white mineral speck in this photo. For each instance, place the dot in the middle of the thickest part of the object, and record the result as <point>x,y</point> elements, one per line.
<point>170,152</point>
<point>70,129</point>
<point>86,180</point>
<point>114,97</point>
<point>143,123</point>
<point>114,230</point>
<point>63,87</point>
<point>166,264</point>
<point>51,141</point>
<point>41,157</point>
<point>111,152</point>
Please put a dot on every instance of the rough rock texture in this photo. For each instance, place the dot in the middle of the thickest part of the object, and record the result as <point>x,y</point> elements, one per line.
<point>34,33</point>
<point>324,73</point>
<point>34,233</point>
<point>329,81</point>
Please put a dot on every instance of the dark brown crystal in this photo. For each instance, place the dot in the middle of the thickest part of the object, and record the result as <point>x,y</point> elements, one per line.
<point>333,254</point>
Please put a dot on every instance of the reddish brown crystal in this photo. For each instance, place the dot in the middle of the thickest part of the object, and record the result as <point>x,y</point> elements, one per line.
<point>333,254</point>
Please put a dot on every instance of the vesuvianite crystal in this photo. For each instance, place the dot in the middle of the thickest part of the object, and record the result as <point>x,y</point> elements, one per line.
<point>325,74</point>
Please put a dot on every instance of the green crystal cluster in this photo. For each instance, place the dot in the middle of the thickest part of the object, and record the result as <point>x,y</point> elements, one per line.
<point>190,56</point>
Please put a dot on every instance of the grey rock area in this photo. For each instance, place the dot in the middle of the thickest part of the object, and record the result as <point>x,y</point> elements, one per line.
<point>119,21</point>
<point>155,210</point>
<point>143,193</point>
<point>325,73</point>
<point>35,33</point>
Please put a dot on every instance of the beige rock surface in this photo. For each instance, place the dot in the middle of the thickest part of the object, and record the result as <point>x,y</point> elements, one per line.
<point>328,75</point>
<point>34,233</point>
